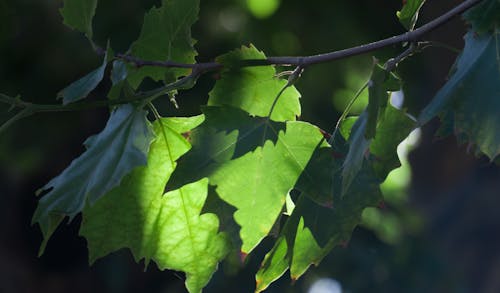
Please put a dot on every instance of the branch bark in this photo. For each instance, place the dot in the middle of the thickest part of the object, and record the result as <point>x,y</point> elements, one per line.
<point>304,61</point>
<point>200,68</point>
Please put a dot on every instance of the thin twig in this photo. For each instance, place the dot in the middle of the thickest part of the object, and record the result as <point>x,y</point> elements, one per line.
<point>199,68</point>
<point>304,61</point>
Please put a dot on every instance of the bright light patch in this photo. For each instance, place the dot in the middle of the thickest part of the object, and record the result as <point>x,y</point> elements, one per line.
<point>397,99</point>
<point>325,285</point>
<point>398,180</point>
<point>232,19</point>
<point>263,8</point>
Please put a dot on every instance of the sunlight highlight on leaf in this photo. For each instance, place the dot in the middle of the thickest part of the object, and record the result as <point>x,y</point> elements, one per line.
<point>253,163</point>
<point>166,228</point>
<point>253,89</point>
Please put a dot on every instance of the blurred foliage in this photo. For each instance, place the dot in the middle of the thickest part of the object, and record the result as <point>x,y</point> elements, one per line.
<point>453,247</point>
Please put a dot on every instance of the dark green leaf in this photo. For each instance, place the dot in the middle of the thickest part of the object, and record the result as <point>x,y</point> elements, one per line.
<point>165,35</point>
<point>253,89</point>
<point>306,239</point>
<point>409,14</point>
<point>377,99</point>
<point>110,155</point>
<point>394,126</point>
<point>252,161</point>
<point>358,148</point>
<point>484,16</point>
<point>318,178</point>
<point>78,14</point>
<point>472,93</point>
<point>82,87</point>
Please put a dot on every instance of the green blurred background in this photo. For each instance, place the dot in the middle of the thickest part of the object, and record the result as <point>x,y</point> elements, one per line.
<point>437,232</point>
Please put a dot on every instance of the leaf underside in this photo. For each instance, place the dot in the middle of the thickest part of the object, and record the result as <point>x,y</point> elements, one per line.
<point>110,155</point>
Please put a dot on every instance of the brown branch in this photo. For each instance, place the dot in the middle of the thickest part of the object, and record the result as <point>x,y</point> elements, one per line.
<point>199,68</point>
<point>304,61</point>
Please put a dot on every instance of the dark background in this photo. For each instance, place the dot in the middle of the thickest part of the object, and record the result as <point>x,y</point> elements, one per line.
<point>453,197</point>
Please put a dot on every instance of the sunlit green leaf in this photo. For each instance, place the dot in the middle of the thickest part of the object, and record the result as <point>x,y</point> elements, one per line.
<point>346,126</point>
<point>82,87</point>
<point>78,14</point>
<point>253,89</point>
<point>166,228</point>
<point>408,15</point>
<point>252,161</point>
<point>110,155</point>
<point>472,93</point>
<point>165,35</point>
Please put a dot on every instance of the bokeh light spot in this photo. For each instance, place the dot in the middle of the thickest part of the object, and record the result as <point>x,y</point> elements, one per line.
<point>263,8</point>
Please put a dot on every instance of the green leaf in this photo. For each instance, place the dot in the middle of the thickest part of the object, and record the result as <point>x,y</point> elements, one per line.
<point>166,228</point>
<point>252,161</point>
<point>78,14</point>
<point>346,126</point>
<point>484,16</point>
<point>165,35</point>
<point>358,148</point>
<point>110,155</point>
<point>120,88</point>
<point>253,89</point>
<point>306,239</point>
<point>394,126</point>
<point>317,180</point>
<point>377,99</point>
<point>82,87</point>
<point>472,94</point>
<point>408,15</point>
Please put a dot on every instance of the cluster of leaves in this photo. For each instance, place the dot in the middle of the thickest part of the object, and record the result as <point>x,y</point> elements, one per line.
<point>162,189</point>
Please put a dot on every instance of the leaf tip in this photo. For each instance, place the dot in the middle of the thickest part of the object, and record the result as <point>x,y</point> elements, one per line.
<point>243,256</point>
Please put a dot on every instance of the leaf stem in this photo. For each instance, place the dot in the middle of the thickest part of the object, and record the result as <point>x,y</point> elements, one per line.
<point>28,109</point>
